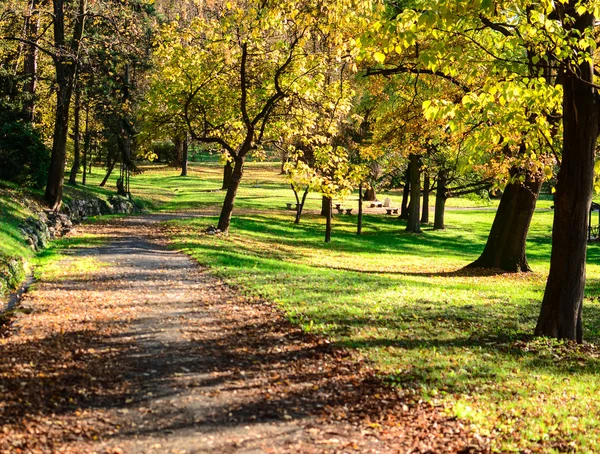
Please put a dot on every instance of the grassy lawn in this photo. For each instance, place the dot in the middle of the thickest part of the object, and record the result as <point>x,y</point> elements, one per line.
<point>458,340</point>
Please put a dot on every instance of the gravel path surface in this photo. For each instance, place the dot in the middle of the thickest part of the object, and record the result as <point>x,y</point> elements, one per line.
<point>133,348</point>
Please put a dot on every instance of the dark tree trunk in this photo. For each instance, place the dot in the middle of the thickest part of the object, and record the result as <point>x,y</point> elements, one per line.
<point>234,184</point>
<point>405,196</point>
<point>76,139</point>
<point>86,143</point>
<point>177,159</point>
<point>56,172</point>
<point>65,77</point>
<point>109,170</point>
<point>184,157</point>
<point>328,223</point>
<point>326,206</point>
<point>360,210</point>
<point>415,195</point>
<point>30,61</point>
<point>299,204</point>
<point>425,212</point>
<point>505,247</point>
<point>560,315</point>
<point>440,201</point>
<point>227,176</point>
<point>370,195</point>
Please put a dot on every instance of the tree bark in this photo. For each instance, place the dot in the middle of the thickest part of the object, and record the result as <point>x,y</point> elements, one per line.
<point>560,314</point>
<point>415,195</point>
<point>328,223</point>
<point>76,139</point>
<point>405,196</point>
<point>227,176</point>
<point>65,78</point>
<point>425,212</point>
<point>109,170</point>
<point>184,157</point>
<point>370,195</point>
<point>31,61</point>
<point>360,210</point>
<point>299,204</point>
<point>326,206</point>
<point>86,143</point>
<point>440,201</point>
<point>227,210</point>
<point>505,247</point>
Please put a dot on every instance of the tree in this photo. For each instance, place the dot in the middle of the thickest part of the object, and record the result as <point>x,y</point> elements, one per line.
<point>560,315</point>
<point>65,59</point>
<point>229,94</point>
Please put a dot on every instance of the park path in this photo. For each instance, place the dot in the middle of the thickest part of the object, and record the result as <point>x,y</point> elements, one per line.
<point>130,347</point>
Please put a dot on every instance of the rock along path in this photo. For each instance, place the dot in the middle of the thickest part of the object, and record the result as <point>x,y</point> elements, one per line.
<point>130,347</point>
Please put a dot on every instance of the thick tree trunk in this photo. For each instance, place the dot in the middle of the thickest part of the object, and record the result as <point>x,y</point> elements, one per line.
<point>234,184</point>
<point>405,196</point>
<point>505,247</point>
<point>560,315</point>
<point>415,195</point>
<point>177,159</point>
<point>326,206</point>
<point>227,176</point>
<point>425,212</point>
<point>440,202</point>
<point>184,157</point>
<point>360,210</point>
<point>65,77</point>
<point>76,139</point>
<point>56,172</point>
<point>328,223</point>
<point>370,195</point>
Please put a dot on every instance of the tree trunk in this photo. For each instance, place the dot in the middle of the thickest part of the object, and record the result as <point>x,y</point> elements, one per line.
<point>560,315</point>
<point>108,172</point>
<point>227,210</point>
<point>86,143</point>
<point>300,204</point>
<point>370,195</point>
<point>177,159</point>
<point>326,206</point>
<point>227,176</point>
<point>56,173</point>
<point>360,210</point>
<point>425,212</point>
<point>184,157</point>
<point>76,139</point>
<point>65,77</point>
<point>505,247</point>
<point>415,195</point>
<point>30,61</point>
<point>440,201</point>
<point>405,195</point>
<point>328,223</point>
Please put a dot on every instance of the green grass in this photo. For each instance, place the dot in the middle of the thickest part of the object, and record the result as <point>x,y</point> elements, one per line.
<point>460,341</point>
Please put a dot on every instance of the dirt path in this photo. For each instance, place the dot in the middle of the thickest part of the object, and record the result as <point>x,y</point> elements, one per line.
<point>132,348</point>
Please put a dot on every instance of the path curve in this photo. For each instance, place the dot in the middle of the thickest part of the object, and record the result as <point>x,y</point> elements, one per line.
<point>130,347</point>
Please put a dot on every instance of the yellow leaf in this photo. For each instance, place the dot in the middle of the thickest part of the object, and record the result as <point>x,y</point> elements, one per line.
<point>379,57</point>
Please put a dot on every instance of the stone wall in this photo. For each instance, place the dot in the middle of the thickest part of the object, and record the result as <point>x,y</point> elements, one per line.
<point>41,228</point>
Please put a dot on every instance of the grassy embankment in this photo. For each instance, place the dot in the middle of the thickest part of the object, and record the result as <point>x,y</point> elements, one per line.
<point>457,340</point>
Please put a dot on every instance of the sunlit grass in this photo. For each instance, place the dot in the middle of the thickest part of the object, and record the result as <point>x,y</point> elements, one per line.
<point>459,340</point>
